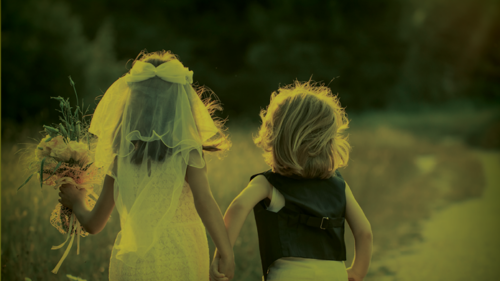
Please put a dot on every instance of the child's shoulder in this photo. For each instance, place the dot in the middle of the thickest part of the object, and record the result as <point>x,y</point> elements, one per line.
<point>260,180</point>
<point>257,190</point>
<point>260,184</point>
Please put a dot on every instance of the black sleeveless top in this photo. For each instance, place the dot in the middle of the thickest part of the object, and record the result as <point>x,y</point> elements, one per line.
<point>310,225</point>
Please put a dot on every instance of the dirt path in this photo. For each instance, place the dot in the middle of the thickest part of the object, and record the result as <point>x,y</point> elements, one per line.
<point>462,242</point>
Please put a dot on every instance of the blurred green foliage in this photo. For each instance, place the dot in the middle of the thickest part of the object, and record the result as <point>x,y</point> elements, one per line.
<point>382,54</point>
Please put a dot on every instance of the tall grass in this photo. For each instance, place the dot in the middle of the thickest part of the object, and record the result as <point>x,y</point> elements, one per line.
<point>398,178</point>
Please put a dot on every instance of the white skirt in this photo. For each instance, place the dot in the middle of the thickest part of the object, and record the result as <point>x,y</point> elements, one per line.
<point>290,269</point>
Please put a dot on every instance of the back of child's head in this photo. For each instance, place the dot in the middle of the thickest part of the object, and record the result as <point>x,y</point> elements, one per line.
<point>302,131</point>
<point>219,142</point>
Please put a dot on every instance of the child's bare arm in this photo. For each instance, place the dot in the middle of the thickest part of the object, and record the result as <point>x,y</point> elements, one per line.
<point>237,212</point>
<point>258,189</point>
<point>363,237</point>
<point>210,214</point>
<point>92,220</point>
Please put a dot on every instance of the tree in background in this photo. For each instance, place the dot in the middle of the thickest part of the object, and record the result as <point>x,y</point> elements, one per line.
<point>42,44</point>
<point>385,53</point>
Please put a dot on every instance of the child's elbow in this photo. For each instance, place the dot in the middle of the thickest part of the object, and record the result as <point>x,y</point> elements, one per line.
<point>367,234</point>
<point>364,233</point>
<point>203,202</point>
<point>92,229</point>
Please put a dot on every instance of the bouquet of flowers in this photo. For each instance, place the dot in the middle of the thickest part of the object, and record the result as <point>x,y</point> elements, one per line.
<point>64,156</point>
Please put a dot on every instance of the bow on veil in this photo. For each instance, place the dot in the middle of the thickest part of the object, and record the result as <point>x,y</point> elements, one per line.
<point>169,72</point>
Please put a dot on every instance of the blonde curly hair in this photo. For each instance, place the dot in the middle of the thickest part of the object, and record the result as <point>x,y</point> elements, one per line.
<point>302,131</point>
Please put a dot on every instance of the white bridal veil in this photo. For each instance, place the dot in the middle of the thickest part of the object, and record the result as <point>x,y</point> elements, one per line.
<point>150,125</point>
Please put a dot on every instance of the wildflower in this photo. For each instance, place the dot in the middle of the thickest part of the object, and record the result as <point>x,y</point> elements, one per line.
<point>55,148</point>
<point>79,153</point>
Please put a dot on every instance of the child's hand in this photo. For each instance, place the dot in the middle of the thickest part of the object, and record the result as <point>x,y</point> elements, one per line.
<point>353,276</point>
<point>226,266</point>
<point>215,275</point>
<point>71,195</point>
<point>222,268</point>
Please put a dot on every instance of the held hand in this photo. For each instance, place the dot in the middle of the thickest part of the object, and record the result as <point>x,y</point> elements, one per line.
<point>70,195</point>
<point>353,276</point>
<point>226,266</point>
<point>215,275</point>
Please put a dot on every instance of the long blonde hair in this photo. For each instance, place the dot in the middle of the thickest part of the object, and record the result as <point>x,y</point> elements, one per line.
<point>302,131</point>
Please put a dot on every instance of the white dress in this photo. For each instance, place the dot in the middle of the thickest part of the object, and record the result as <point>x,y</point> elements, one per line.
<point>303,269</point>
<point>181,254</point>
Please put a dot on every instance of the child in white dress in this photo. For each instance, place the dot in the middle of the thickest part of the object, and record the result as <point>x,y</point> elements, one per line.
<point>152,129</point>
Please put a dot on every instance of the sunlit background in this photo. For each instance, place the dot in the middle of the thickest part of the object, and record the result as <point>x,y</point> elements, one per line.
<point>420,81</point>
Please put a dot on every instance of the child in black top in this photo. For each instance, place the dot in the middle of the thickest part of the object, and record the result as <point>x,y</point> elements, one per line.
<point>301,135</point>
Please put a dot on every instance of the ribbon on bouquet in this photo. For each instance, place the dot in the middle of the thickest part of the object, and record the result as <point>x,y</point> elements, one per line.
<point>72,234</point>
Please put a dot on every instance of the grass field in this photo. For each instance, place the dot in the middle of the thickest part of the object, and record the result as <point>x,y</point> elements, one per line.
<point>399,178</point>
